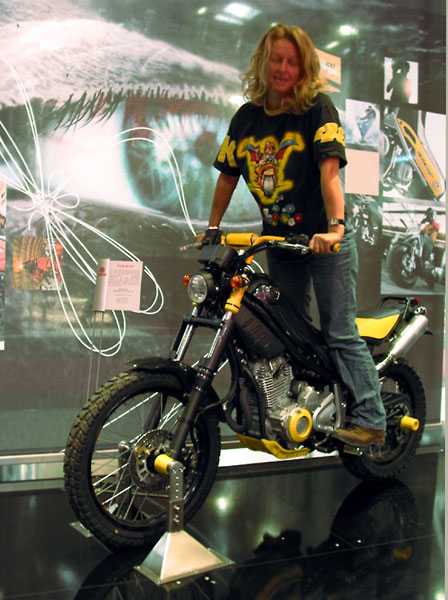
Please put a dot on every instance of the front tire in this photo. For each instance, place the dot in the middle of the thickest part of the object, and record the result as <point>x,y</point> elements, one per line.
<point>403,395</point>
<point>401,266</point>
<point>111,486</point>
<point>268,186</point>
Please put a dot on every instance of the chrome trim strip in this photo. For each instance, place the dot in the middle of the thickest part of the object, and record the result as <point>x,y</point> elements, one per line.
<point>41,470</point>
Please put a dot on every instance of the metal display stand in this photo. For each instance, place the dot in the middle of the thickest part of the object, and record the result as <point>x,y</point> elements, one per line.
<point>113,291</point>
<point>99,307</point>
<point>92,352</point>
<point>177,554</point>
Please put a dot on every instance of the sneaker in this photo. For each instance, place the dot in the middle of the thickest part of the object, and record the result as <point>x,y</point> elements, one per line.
<point>355,435</point>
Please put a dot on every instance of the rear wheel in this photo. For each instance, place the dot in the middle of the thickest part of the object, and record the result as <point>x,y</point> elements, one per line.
<point>109,479</point>
<point>403,395</point>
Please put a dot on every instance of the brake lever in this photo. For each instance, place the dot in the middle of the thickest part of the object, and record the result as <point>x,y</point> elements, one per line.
<point>300,247</point>
<point>188,246</point>
<point>290,246</point>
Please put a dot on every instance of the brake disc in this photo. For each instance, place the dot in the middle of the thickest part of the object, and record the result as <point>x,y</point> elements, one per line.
<point>142,458</point>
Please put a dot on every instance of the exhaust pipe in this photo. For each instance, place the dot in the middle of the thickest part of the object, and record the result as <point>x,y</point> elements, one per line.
<point>413,331</point>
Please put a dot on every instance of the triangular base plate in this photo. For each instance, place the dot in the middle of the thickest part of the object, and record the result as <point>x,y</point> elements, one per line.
<point>177,555</point>
<point>79,527</point>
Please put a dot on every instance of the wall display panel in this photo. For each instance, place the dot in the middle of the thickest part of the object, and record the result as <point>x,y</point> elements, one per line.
<point>111,115</point>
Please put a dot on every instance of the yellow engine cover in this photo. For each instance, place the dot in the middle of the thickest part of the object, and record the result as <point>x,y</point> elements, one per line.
<point>271,447</point>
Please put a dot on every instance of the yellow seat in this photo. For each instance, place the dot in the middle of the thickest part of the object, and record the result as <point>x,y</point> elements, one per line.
<point>376,327</point>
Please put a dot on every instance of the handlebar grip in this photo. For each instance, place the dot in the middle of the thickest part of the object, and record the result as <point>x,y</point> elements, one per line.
<point>239,240</point>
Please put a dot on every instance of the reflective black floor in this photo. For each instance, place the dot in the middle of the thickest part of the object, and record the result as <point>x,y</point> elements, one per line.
<point>314,533</point>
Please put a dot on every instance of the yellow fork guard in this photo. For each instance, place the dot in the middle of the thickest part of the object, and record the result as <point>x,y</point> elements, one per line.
<point>162,462</point>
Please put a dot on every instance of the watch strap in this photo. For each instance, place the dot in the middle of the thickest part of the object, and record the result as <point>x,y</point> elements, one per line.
<point>335,221</point>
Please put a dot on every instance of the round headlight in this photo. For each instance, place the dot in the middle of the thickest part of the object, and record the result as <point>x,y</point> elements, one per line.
<point>198,288</point>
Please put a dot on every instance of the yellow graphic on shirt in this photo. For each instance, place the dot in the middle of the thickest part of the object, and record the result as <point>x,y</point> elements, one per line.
<point>266,162</point>
<point>227,152</point>
<point>330,132</point>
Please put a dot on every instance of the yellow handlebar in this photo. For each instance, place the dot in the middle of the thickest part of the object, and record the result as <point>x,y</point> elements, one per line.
<point>246,240</point>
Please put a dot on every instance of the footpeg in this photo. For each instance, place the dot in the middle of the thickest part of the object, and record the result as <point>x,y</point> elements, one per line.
<point>409,424</point>
<point>355,450</point>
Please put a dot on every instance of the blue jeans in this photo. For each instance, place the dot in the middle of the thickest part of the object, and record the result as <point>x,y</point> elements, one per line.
<point>334,277</point>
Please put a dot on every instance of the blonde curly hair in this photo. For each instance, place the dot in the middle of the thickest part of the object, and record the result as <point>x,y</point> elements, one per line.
<point>310,83</point>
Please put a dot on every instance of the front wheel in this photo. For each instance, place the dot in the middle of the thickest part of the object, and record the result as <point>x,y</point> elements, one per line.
<point>111,486</point>
<point>402,266</point>
<point>403,395</point>
<point>268,185</point>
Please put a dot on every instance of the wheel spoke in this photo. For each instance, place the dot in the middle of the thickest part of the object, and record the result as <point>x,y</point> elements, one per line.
<point>129,411</point>
<point>123,483</point>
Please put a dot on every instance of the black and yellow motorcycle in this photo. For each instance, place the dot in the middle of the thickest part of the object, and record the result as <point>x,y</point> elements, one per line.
<point>282,395</point>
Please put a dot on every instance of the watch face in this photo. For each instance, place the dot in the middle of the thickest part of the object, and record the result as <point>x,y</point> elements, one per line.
<point>335,221</point>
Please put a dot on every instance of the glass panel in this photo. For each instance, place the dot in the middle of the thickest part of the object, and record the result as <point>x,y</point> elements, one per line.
<point>111,115</point>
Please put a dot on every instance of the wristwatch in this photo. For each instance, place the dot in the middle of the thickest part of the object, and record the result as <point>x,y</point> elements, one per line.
<point>335,221</point>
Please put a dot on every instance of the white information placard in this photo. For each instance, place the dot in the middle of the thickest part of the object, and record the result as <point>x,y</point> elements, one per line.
<point>118,285</point>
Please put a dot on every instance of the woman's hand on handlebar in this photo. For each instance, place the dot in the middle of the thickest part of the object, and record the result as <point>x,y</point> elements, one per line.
<point>325,243</point>
<point>199,237</point>
<point>209,236</point>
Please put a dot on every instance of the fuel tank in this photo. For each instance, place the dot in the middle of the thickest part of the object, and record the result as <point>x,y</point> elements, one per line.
<point>268,325</point>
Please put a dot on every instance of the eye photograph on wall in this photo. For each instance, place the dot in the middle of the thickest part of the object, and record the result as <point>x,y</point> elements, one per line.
<point>111,116</point>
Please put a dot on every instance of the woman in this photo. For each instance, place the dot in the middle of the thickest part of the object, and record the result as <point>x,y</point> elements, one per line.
<point>288,144</point>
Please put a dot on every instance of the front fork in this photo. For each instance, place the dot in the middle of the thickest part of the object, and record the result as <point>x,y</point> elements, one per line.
<point>184,336</point>
<point>208,366</point>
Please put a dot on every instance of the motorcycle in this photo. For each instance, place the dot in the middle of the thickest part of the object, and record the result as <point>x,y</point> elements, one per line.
<point>284,397</point>
<point>405,260</point>
<point>409,167</point>
<point>365,219</point>
<point>268,181</point>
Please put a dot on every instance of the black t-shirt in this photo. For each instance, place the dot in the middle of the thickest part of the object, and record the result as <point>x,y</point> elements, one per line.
<point>278,157</point>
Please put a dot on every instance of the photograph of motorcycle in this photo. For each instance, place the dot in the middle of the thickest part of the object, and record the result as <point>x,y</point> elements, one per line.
<point>364,215</point>
<point>283,396</point>
<point>415,256</point>
<point>410,170</point>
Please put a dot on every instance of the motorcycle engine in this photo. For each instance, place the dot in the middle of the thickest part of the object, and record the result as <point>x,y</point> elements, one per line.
<point>293,408</point>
